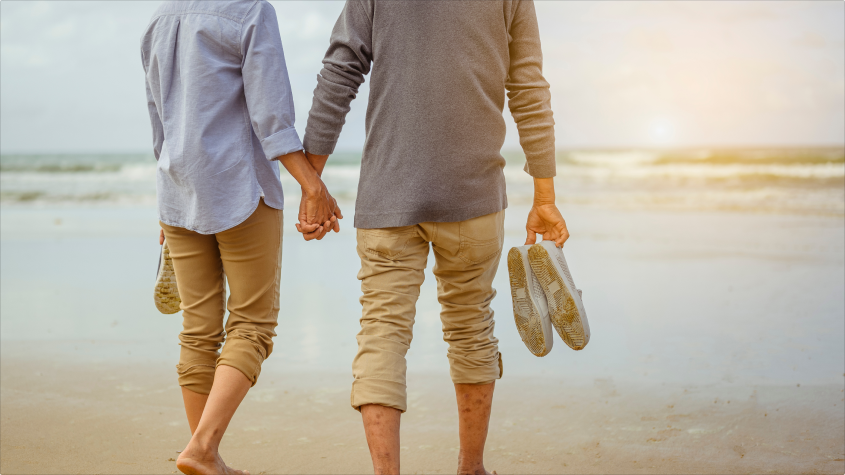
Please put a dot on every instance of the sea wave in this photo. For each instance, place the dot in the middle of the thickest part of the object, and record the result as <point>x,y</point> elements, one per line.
<point>794,180</point>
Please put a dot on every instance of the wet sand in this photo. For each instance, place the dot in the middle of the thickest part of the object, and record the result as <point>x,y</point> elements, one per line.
<point>717,348</point>
<point>106,418</point>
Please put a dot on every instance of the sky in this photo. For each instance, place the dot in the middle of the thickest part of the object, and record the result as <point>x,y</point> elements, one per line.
<point>623,73</point>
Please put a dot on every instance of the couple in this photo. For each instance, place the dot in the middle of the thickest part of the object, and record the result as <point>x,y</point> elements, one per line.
<point>222,115</point>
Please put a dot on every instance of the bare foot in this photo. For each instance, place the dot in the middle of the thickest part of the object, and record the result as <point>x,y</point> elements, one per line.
<point>478,471</point>
<point>196,462</point>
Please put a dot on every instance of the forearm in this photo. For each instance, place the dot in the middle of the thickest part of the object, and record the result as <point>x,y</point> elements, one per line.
<point>298,165</point>
<point>318,162</point>
<point>529,98</point>
<point>544,191</point>
<point>347,61</point>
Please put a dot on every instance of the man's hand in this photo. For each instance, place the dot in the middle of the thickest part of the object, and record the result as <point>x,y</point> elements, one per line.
<point>544,217</point>
<point>316,210</point>
<point>331,225</point>
<point>546,220</point>
<point>160,237</point>
<point>318,162</point>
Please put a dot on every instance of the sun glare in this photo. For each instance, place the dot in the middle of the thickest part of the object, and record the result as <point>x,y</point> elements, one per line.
<point>661,132</point>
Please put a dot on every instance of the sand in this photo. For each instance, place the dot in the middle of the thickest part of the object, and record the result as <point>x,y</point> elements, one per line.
<point>717,347</point>
<point>107,418</point>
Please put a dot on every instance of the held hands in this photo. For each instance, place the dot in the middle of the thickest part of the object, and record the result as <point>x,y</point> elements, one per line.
<point>318,210</point>
<point>318,214</point>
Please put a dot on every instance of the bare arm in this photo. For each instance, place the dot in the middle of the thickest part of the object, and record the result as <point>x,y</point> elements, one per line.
<point>316,210</point>
<point>318,163</point>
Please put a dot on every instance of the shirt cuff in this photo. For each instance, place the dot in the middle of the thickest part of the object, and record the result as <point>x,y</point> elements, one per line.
<point>316,147</point>
<point>542,165</point>
<point>281,143</point>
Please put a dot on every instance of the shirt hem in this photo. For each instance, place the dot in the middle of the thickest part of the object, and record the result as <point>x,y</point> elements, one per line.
<point>239,220</point>
<point>409,218</point>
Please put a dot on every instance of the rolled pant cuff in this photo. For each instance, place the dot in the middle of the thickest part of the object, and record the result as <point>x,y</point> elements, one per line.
<point>243,355</point>
<point>379,391</point>
<point>196,375</point>
<point>464,372</point>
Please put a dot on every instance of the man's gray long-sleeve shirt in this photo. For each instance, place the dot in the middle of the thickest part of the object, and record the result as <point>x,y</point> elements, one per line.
<point>434,122</point>
<point>221,109</point>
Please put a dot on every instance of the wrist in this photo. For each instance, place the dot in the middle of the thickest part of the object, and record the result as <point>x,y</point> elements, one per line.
<point>544,191</point>
<point>312,184</point>
<point>318,162</point>
<point>543,200</point>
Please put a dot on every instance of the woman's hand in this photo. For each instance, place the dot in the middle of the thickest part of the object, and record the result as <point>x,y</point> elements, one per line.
<point>317,209</point>
<point>161,237</point>
<point>318,203</point>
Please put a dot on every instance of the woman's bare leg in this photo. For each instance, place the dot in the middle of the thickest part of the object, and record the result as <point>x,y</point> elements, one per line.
<point>381,424</point>
<point>194,405</point>
<point>200,457</point>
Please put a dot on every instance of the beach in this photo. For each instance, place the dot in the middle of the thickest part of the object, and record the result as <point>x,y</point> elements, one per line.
<point>109,418</point>
<point>714,292</point>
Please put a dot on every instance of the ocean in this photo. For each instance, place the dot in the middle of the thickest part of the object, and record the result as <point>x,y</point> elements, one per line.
<point>702,267</point>
<point>793,180</point>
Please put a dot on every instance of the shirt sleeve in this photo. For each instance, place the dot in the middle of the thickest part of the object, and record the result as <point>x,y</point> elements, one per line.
<point>347,61</point>
<point>155,120</point>
<point>529,99</point>
<point>266,82</point>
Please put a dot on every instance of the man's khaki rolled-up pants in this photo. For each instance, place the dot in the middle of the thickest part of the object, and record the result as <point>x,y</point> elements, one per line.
<point>251,255</point>
<point>393,262</point>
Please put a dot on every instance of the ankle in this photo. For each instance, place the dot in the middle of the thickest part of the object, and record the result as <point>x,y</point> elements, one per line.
<point>200,449</point>
<point>470,465</point>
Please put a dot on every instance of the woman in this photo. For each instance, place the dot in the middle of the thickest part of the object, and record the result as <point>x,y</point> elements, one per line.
<point>222,114</point>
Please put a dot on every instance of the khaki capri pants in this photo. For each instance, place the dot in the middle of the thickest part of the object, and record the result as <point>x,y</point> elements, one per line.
<point>251,255</point>
<point>393,262</point>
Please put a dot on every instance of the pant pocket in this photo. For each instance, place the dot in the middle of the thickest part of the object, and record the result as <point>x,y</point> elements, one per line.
<point>387,243</point>
<point>481,238</point>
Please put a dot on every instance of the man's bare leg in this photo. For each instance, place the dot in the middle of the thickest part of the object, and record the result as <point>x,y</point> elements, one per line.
<point>474,404</point>
<point>194,405</point>
<point>200,457</point>
<point>381,425</point>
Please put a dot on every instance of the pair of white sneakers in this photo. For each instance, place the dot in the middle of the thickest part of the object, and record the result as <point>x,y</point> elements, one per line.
<point>544,295</point>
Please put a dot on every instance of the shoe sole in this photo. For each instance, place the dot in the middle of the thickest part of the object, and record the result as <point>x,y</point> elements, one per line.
<point>525,312</point>
<point>166,293</point>
<point>566,315</point>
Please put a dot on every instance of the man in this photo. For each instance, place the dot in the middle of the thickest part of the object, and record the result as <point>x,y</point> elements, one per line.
<point>431,174</point>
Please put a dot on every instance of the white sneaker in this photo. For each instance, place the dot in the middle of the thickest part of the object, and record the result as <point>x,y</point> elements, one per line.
<point>530,309</point>
<point>566,310</point>
<point>166,293</point>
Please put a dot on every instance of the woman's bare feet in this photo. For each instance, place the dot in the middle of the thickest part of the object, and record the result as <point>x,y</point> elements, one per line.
<point>200,457</point>
<point>194,461</point>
